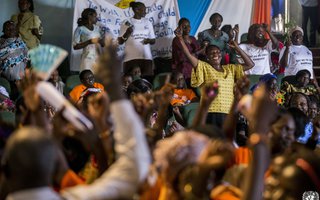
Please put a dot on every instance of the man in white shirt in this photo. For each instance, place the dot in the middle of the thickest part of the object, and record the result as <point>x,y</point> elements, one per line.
<point>309,12</point>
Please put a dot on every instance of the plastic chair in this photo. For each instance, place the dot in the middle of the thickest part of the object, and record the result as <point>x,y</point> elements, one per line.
<point>244,37</point>
<point>8,117</point>
<point>189,112</point>
<point>5,83</point>
<point>253,80</point>
<point>71,82</point>
<point>159,80</point>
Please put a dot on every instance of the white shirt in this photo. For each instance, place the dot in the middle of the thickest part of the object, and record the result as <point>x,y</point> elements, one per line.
<point>309,3</point>
<point>131,168</point>
<point>35,194</point>
<point>89,53</point>
<point>261,56</point>
<point>134,48</point>
<point>299,58</point>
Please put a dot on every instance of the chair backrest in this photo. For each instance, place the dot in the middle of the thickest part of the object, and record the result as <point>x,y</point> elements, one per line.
<point>244,37</point>
<point>8,117</point>
<point>71,82</point>
<point>253,80</point>
<point>159,80</point>
<point>5,83</point>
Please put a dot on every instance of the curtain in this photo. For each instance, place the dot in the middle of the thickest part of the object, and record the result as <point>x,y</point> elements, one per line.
<point>194,10</point>
<point>262,12</point>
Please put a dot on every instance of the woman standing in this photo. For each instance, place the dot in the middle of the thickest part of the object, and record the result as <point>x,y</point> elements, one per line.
<point>208,72</point>
<point>180,62</point>
<point>28,24</point>
<point>137,34</point>
<point>89,37</point>
<point>214,35</point>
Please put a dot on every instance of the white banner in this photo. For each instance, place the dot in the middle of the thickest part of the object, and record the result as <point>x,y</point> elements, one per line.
<point>163,14</point>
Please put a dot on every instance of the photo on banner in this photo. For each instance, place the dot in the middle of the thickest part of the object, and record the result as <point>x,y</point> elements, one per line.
<point>163,14</point>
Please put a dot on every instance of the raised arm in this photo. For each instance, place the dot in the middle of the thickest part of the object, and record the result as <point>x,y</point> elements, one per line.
<point>285,57</point>
<point>192,59</point>
<point>248,63</point>
<point>274,40</point>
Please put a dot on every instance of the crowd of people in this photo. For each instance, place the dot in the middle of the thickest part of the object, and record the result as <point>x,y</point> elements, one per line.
<point>205,131</point>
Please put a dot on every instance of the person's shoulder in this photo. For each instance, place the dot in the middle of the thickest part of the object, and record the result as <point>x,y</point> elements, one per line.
<point>98,85</point>
<point>14,17</point>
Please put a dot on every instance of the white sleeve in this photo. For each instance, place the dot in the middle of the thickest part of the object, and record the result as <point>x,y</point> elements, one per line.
<point>76,36</point>
<point>123,177</point>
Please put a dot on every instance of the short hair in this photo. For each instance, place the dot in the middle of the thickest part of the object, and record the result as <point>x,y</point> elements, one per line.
<point>215,15</point>
<point>183,19</point>
<point>29,150</point>
<point>138,86</point>
<point>135,4</point>
<point>6,23</point>
<point>82,73</point>
<point>302,73</point>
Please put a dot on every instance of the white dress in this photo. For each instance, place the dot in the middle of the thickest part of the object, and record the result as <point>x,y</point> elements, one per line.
<point>261,56</point>
<point>299,58</point>
<point>90,52</point>
<point>134,48</point>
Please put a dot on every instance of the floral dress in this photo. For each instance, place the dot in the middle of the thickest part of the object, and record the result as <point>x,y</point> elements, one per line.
<point>13,58</point>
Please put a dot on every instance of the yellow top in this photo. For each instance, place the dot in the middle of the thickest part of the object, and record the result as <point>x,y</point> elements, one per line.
<point>204,73</point>
<point>29,21</point>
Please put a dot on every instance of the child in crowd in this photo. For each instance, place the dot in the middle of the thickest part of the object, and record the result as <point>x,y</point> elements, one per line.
<point>56,81</point>
<point>88,85</point>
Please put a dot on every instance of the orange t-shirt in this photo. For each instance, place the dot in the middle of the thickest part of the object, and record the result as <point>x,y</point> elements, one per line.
<point>242,155</point>
<point>182,96</point>
<point>77,91</point>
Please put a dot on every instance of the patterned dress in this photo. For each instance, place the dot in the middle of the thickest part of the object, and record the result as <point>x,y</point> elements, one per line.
<point>13,58</point>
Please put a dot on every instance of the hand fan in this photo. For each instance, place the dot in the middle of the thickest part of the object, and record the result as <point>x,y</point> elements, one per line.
<point>46,58</point>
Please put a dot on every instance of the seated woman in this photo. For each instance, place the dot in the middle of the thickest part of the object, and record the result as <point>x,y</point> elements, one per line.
<point>88,85</point>
<point>259,48</point>
<point>301,85</point>
<point>13,53</point>
<point>210,71</point>
<point>181,94</point>
<point>295,56</point>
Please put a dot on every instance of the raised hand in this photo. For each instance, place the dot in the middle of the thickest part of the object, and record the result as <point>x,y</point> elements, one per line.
<point>236,28</point>
<point>209,92</point>
<point>178,32</point>
<point>108,70</point>
<point>241,88</point>
<point>28,88</point>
